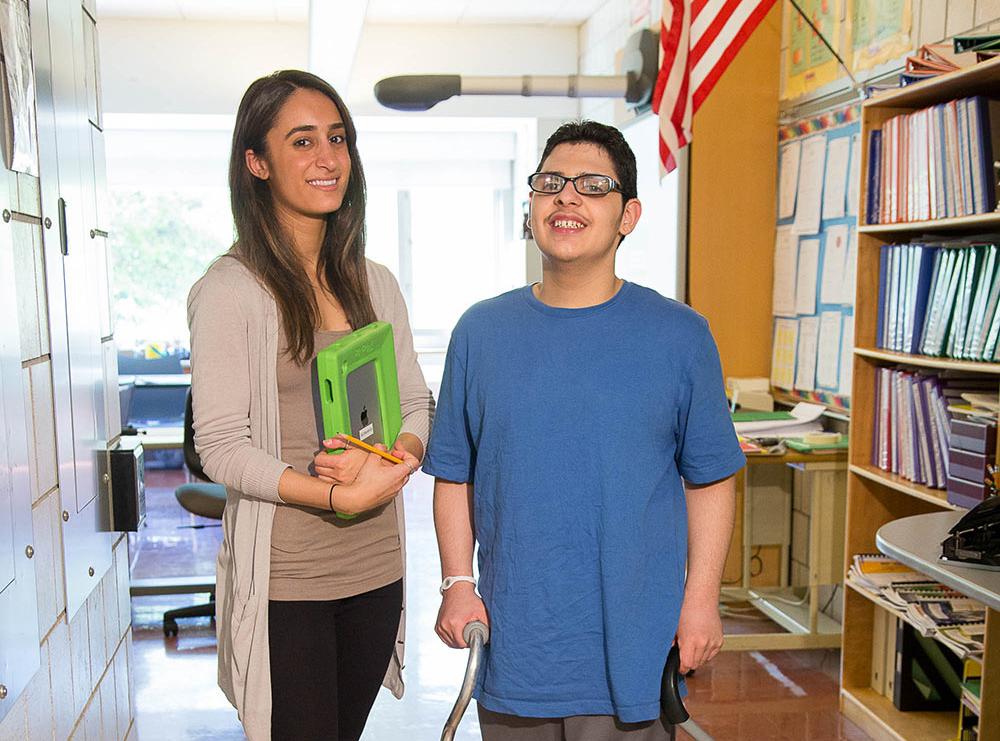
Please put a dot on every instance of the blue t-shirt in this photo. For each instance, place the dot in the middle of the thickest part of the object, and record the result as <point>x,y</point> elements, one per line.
<point>575,427</point>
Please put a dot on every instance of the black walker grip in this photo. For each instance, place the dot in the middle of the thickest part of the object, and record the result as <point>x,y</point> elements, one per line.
<point>671,704</point>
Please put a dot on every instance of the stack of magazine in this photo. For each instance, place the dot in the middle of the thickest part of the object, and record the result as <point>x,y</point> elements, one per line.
<point>934,609</point>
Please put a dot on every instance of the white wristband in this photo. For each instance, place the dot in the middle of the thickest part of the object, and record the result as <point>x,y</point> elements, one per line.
<point>450,581</point>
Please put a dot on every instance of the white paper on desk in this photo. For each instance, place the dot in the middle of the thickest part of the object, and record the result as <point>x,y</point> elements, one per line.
<point>805,357</point>
<point>838,157</point>
<point>786,254</point>
<point>786,334</point>
<point>828,353</point>
<point>834,263</point>
<point>809,194</point>
<point>802,413</point>
<point>846,357</point>
<point>805,282</point>
<point>788,181</point>
<point>796,430</point>
<point>854,176</point>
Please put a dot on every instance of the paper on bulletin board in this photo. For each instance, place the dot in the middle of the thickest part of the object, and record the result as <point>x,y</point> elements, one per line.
<point>834,266</point>
<point>828,352</point>
<point>838,158</point>
<point>788,180</point>
<point>809,199</point>
<point>808,64</point>
<point>786,254</point>
<point>805,283</point>
<point>880,32</point>
<point>786,334</point>
<point>805,357</point>
<point>21,152</point>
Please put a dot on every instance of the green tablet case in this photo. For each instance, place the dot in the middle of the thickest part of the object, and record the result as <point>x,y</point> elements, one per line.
<point>370,344</point>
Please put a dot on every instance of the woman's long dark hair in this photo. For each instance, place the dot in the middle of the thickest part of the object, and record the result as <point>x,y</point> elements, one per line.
<point>261,243</point>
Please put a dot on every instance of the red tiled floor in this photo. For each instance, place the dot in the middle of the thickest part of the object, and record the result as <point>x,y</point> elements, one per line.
<point>770,695</point>
<point>789,695</point>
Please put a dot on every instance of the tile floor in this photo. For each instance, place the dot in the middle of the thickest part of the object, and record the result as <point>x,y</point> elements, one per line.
<point>753,695</point>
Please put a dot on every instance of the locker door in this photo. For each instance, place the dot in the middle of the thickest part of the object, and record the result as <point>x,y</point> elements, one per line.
<point>19,657</point>
<point>75,272</point>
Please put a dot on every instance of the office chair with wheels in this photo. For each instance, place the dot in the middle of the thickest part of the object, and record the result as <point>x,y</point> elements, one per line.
<point>202,498</point>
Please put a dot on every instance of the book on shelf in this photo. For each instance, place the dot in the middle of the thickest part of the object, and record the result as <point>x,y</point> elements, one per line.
<point>940,299</point>
<point>874,571</point>
<point>930,615</point>
<point>971,708</point>
<point>933,609</point>
<point>965,640</point>
<point>921,420</point>
<point>935,162</point>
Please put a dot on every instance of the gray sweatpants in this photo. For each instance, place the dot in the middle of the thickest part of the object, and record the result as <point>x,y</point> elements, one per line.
<point>500,727</point>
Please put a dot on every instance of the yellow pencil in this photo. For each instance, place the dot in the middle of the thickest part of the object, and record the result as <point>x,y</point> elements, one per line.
<point>370,448</point>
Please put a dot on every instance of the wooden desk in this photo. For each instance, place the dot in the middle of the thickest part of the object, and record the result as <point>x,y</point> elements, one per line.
<point>822,479</point>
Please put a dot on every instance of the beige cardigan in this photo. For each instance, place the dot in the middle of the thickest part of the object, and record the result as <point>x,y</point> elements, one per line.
<point>234,351</point>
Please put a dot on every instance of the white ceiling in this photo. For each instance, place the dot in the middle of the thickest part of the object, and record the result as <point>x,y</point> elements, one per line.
<point>550,12</point>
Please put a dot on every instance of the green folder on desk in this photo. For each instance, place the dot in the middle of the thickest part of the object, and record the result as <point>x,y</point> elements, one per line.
<point>803,447</point>
<point>753,416</point>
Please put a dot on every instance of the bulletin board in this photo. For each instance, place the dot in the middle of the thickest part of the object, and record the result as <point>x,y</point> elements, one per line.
<point>815,257</point>
<point>866,34</point>
<point>807,63</point>
<point>879,32</point>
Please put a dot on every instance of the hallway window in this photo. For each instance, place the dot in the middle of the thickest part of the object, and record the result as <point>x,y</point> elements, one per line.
<point>169,219</point>
<point>440,215</point>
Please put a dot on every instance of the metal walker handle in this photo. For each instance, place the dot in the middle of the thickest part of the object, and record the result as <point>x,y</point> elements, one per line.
<point>477,635</point>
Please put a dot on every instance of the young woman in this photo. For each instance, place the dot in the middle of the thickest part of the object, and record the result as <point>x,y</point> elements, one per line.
<point>309,604</point>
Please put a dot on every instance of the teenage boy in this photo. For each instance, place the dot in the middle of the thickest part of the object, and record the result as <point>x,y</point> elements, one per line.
<point>582,439</point>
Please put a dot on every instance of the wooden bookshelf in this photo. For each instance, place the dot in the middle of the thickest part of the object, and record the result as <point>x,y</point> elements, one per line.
<point>893,481</point>
<point>980,222</point>
<point>875,497</point>
<point>924,361</point>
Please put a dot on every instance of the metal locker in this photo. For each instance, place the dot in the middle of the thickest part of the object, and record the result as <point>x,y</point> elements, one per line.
<point>63,45</point>
<point>19,655</point>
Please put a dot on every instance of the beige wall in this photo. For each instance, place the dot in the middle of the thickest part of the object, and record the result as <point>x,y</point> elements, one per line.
<point>83,689</point>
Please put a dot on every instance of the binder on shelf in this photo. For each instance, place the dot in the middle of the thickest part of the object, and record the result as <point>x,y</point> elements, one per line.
<point>874,193</point>
<point>889,670</point>
<point>966,465</point>
<point>974,437</point>
<point>934,162</point>
<point>883,266</point>
<point>879,648</point>
<point>985,118</point>
<point>927,676</point>
<point>923,274</point>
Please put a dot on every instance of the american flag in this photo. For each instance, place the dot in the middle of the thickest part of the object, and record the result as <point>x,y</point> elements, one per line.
<point>699,39</point>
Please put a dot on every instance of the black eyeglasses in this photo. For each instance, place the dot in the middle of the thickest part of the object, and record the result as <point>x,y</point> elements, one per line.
<point>588,184</point>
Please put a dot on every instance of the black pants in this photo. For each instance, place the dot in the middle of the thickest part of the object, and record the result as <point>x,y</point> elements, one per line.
<point>328,660</point>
